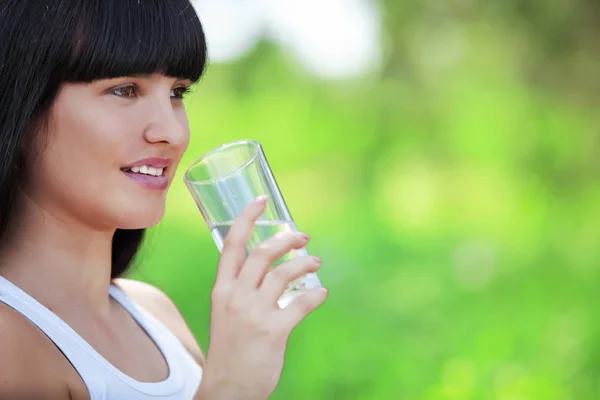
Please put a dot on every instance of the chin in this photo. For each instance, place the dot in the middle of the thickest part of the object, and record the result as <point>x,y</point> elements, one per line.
<point>141,218</point>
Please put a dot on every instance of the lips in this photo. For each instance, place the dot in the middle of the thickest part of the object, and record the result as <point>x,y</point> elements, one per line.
<point>148,181</point>
<point>149,173</point>
<point>154,162</point>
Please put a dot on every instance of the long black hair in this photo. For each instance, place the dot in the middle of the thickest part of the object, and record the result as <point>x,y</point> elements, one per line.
<point>46,43</point>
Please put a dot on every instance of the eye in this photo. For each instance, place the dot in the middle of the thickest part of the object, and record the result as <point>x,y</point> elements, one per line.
<point>179,92</point>
<point>129,91</point>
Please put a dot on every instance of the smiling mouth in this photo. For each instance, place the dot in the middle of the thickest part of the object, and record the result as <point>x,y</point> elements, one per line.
<point>146,170</point>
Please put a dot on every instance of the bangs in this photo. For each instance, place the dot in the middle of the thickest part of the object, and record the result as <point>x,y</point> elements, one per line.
<point>114,38</point>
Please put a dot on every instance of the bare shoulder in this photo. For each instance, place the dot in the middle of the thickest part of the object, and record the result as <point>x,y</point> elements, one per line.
<point>31,366</point>
<point>157,303</point>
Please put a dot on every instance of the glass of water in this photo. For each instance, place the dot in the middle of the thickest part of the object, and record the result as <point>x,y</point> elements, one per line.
<point>224,181</point>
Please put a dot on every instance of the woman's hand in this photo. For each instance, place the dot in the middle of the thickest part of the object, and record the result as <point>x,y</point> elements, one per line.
<point>249,332</point>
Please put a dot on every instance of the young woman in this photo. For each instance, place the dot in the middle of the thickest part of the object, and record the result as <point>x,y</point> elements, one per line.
<point>90,93</point>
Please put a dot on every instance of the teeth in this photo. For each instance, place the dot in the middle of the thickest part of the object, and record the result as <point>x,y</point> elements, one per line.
<point>146,170</point>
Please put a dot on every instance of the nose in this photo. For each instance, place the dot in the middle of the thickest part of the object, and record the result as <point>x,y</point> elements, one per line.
<point>167,123</point>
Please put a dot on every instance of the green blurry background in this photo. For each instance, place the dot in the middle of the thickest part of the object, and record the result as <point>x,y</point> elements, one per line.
<point>451,191</point>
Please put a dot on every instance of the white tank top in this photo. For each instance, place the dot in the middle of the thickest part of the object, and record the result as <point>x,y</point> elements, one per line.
<point>103,380</point>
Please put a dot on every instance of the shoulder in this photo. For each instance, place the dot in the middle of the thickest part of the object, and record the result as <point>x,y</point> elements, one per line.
<point>31,365</point>
<point>157,303</point>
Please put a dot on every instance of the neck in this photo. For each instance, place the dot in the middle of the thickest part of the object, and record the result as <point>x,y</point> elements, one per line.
<point>59,262</point>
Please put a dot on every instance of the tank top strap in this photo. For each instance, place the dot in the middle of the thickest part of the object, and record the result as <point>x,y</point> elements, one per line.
<point>98,374</point>
<point>73,347</point>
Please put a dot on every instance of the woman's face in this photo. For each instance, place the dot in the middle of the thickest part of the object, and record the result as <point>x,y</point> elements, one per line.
<point>111,151</point>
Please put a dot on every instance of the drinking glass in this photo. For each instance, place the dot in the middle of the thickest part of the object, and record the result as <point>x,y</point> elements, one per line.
<point>224,181</point>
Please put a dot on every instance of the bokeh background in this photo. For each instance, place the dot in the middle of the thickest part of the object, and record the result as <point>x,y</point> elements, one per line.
<point>443,155</point>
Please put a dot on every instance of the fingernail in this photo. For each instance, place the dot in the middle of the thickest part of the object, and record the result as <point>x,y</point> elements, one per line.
<point>305,236</point>
<point>317,260</point>
<point>261,200</point>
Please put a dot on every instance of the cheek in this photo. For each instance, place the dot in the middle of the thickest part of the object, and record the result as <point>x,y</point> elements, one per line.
<point>78,170</point>
<point>80,148</point>
<point>73,177</point>
<point>87,137</point>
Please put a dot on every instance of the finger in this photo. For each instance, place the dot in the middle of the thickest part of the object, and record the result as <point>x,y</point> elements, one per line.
<point>233,253</point>
<point>277,280</point>
<point>266,253</point>
<point>303,305</point>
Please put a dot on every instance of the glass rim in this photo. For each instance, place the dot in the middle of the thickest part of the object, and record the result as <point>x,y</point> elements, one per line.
<point>237,143</point>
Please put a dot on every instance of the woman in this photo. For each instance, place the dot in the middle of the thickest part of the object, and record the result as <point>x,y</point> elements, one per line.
<point>90,90</point>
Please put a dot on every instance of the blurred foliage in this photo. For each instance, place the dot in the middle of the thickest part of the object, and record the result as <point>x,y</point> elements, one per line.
<point>452,195</point>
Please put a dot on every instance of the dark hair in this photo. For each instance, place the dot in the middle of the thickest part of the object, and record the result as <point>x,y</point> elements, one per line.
<point>45,43</point>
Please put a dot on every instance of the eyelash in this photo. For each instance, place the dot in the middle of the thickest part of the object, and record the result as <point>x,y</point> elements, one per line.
<point>183,91</point>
